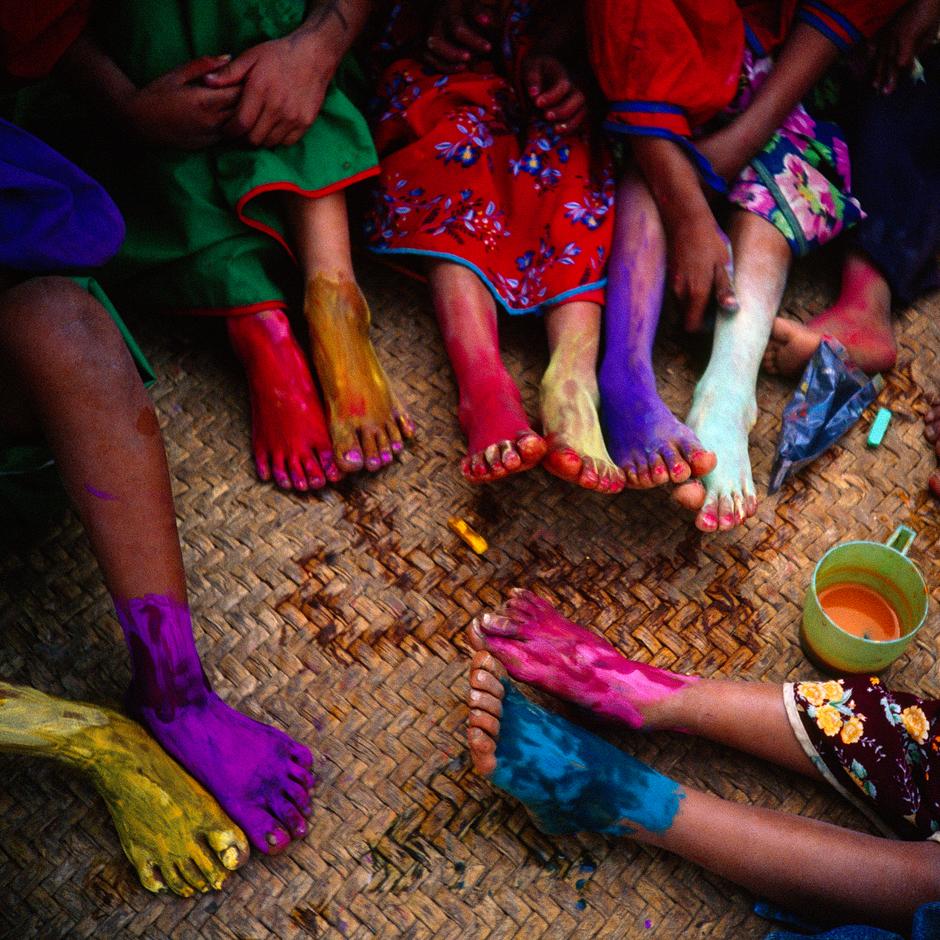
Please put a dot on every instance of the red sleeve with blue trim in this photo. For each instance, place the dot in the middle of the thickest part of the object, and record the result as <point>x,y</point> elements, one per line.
<point>846,22</point>
<point>666,66</point>
<point>842,22</point>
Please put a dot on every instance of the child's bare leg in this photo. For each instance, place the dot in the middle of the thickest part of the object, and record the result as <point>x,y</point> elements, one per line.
<point>932,433</point>
<point>569,400</point>
<point>571,780</point>
<point>367,424</point>
<point>289,436</point>
<point>724,407</point>
<point>645,438</point>
<point>860,319</point>
<point>72,373</point>
<point>538,646</point>
<point>172,831</point>
<point>500,440</point>
<point>755,848</point>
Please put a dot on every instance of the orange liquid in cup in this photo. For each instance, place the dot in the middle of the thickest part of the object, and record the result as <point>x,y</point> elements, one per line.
<point>859,610</point>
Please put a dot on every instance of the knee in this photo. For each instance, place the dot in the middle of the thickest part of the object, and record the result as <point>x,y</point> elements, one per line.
<point>54,322</point>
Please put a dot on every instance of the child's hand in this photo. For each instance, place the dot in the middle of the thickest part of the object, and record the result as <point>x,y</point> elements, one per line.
<point>177,110</point>
<point>459,35</point>
<point>700,266</point>
<point>283,83</point>
<point>905,38</point>
<point>553,93</point>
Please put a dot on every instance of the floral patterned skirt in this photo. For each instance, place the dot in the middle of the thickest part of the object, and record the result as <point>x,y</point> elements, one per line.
<point>801,181</point>
<point>880,749</point>
<point>469,176</point>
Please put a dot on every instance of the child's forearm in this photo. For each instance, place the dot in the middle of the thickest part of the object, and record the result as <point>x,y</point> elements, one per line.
<point>672,179</point>
<point>334,25</point>
<point>97,75</point>
<point>804,60</point>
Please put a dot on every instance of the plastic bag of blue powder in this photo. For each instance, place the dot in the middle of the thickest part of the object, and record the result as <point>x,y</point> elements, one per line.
<point>831,397</point>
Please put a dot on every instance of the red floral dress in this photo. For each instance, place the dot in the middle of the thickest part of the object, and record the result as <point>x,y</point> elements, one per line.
<point>470,174</point>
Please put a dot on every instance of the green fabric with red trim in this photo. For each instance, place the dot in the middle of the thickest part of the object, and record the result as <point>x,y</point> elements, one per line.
<point>205,229</point>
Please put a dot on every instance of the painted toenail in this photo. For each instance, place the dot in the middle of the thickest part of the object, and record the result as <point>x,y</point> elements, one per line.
<point>386,456</point>
<point>229,857</point>
<point>353,456</point>
<point>397,446</point>
<point>271,839</point>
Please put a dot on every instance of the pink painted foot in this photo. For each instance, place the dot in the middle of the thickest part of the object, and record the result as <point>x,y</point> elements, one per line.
<point>538,646</point>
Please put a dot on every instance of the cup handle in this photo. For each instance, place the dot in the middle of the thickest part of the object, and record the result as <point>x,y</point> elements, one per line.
<point>902,539</point>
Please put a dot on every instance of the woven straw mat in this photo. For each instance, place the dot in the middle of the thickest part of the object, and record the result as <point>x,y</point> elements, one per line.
<point>341,617</point>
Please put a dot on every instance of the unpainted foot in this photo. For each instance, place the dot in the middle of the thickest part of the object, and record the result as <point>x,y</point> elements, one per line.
<point>576,449</point>
<point>368,426</point>
<point>932,433</point>
<point>289,436</point>
<point>726,496</point>
<point>538,646</point>
<point>485,702</point>
<point>860,319</point>
<point>791,346</point>
<point>261,777</point>
<point>499,438</point>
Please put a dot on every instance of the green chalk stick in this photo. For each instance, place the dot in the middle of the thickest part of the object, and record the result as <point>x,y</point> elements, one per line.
<point>878,427</point>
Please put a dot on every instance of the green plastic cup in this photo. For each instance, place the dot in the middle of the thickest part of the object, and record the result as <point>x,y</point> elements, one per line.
<point>884,568</point>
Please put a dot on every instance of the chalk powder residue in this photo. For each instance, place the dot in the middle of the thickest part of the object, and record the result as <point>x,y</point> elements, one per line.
<point>100,494</point>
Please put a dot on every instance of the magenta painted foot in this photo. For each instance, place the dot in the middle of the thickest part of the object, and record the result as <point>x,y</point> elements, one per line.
<point>259,775</point>
<point>540,647</point>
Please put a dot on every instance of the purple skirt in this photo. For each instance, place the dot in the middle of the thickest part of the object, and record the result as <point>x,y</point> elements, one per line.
<point>53,217</point>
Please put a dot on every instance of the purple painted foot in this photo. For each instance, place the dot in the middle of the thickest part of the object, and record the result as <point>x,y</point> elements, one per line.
<point>645,438</point>
<point>260,776</point>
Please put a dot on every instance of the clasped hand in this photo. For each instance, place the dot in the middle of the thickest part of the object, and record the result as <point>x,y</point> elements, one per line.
<point>268,96</point>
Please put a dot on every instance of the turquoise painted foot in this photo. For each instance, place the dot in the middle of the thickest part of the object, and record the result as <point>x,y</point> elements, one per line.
<point>568,779</point>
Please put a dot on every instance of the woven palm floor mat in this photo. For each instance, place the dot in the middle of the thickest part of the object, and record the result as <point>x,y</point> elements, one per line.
<point>341,617</point>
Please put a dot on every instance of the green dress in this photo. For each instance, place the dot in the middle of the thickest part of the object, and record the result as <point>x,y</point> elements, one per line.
<point>205,229</point>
